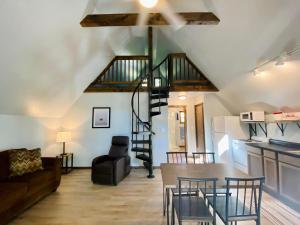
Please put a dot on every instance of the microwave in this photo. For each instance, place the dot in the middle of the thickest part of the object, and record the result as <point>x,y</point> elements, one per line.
<point>254,116</point>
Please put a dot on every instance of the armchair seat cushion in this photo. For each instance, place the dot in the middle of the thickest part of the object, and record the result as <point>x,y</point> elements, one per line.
<point>104,167</point>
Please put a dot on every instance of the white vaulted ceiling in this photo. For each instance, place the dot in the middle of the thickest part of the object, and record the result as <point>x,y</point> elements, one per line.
<point>47,59</point>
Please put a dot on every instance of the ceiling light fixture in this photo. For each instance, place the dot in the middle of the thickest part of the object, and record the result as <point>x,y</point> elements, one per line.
<point>182,97</point>
<point>148,3</point>
<point>279,61</point>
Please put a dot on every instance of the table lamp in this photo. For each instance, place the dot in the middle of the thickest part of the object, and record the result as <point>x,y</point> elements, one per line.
<point>63,137</point>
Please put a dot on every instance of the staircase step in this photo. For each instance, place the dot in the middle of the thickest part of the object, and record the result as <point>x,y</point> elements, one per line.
<point>159,96</point>
<point>160,91</point>
<point>140,150</point>
<point>158,104</point>
<point>140,142</point>
<point>144,123</point>
<point>141,132</point>
<point>143,157</point>
<point>155,113</point>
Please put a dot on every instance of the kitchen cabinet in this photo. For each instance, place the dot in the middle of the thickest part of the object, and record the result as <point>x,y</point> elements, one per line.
<point>289,178</point>
<point>280,165</point>
<point>255,165</point>
<point>270,169</point>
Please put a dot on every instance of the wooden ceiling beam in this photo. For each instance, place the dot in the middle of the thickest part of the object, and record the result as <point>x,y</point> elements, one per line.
<point>155,19</point>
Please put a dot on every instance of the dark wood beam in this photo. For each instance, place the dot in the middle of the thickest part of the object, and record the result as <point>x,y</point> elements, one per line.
<point>155,19</point>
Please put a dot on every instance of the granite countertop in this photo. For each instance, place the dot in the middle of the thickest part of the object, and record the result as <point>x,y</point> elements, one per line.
<point>287,150</point>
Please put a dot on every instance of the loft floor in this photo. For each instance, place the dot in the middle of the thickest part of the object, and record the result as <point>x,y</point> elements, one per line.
<point>136,201</point>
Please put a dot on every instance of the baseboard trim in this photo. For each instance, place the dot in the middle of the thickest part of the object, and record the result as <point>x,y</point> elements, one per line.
<point>142,167</point>
<point>82,167</point>
<point>132,167</point>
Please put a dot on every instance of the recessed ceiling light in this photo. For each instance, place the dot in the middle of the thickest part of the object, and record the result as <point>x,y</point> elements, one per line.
<point>148,3</point>
<point>182,97</point>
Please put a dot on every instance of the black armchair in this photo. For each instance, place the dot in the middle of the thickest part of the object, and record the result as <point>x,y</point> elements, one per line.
<point>111,169</point>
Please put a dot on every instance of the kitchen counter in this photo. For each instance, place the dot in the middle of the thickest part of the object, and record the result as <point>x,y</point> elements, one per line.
<point>286,148</point>
<point>279,162</point>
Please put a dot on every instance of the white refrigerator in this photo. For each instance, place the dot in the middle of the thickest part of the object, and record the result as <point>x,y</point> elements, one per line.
<point>225,129</point>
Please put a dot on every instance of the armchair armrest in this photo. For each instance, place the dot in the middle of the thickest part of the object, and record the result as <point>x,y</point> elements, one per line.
<point>100,159</point>
<point>119,169</point>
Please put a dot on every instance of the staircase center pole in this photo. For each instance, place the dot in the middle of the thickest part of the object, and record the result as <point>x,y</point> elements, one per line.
<point>150,85</point>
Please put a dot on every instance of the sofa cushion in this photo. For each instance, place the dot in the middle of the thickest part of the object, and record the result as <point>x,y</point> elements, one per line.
<point>36,181</point>
<point>4,164</point>
<point>104,167</point>
<point>11,194</point>
<point>26,161</point>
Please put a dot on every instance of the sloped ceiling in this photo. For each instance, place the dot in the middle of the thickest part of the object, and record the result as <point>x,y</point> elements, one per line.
<point>47,59</point>
<point>250,33</point>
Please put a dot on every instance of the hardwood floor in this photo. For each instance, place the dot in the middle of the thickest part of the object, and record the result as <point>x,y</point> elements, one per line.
<point>136,201</point>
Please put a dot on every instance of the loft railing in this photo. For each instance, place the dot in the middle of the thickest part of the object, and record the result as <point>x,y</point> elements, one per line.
<point>184,71</point>
<point>123,71</point>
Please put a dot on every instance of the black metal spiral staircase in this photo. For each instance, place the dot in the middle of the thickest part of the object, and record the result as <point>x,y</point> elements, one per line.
<point>150,89</point>
<point>157,83</point>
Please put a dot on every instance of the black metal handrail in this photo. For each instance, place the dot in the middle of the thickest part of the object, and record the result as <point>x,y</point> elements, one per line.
<point>136,90</point>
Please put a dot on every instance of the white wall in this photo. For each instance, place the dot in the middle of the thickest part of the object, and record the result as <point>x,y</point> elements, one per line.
<point>20,132</point>
<point>88,143</point>
<point>291,134</point>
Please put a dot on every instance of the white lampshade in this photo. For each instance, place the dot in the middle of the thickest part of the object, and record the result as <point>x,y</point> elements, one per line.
<point>63,137</point>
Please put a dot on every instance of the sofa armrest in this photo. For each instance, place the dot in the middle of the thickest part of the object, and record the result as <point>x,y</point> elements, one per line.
<point>100,159</point>
<point>53,164</point>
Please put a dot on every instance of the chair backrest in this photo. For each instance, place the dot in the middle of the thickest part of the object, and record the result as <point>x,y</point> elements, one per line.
<point>177,157</point>
<point>245,197</point>
<point>189,186</point>
<point>204,157</point>
<point>119,146</point>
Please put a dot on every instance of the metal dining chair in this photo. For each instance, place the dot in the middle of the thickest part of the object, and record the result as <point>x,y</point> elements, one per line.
<point>204,157</point>
<point>245,202</point>
<point>190,207</point>
<point>177,157</point>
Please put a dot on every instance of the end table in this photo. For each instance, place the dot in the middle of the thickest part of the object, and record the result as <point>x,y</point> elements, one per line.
<point>66,162</point>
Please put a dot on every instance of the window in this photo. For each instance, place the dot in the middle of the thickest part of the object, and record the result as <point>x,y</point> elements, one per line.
<point>182,116</point>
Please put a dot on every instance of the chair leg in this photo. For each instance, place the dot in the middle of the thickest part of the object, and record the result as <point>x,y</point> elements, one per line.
<point>173,215</point>
<point>164,202</point>
<point>168,204</point>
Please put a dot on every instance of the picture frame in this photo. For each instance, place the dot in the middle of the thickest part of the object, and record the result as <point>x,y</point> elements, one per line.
<point>101,117</point>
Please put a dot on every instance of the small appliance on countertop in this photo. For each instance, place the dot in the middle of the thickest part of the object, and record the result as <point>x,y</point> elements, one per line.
<point>251,117</point>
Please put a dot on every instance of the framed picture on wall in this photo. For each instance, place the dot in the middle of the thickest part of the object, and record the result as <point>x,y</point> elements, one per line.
<point>101,117</point>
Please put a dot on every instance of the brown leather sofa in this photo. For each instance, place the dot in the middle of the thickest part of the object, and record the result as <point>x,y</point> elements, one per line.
<point>19,193</point>
<point>111,169</point>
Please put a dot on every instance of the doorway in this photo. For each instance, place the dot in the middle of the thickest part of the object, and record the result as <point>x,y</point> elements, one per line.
<point>177,128</point>
<point>200,132</point>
